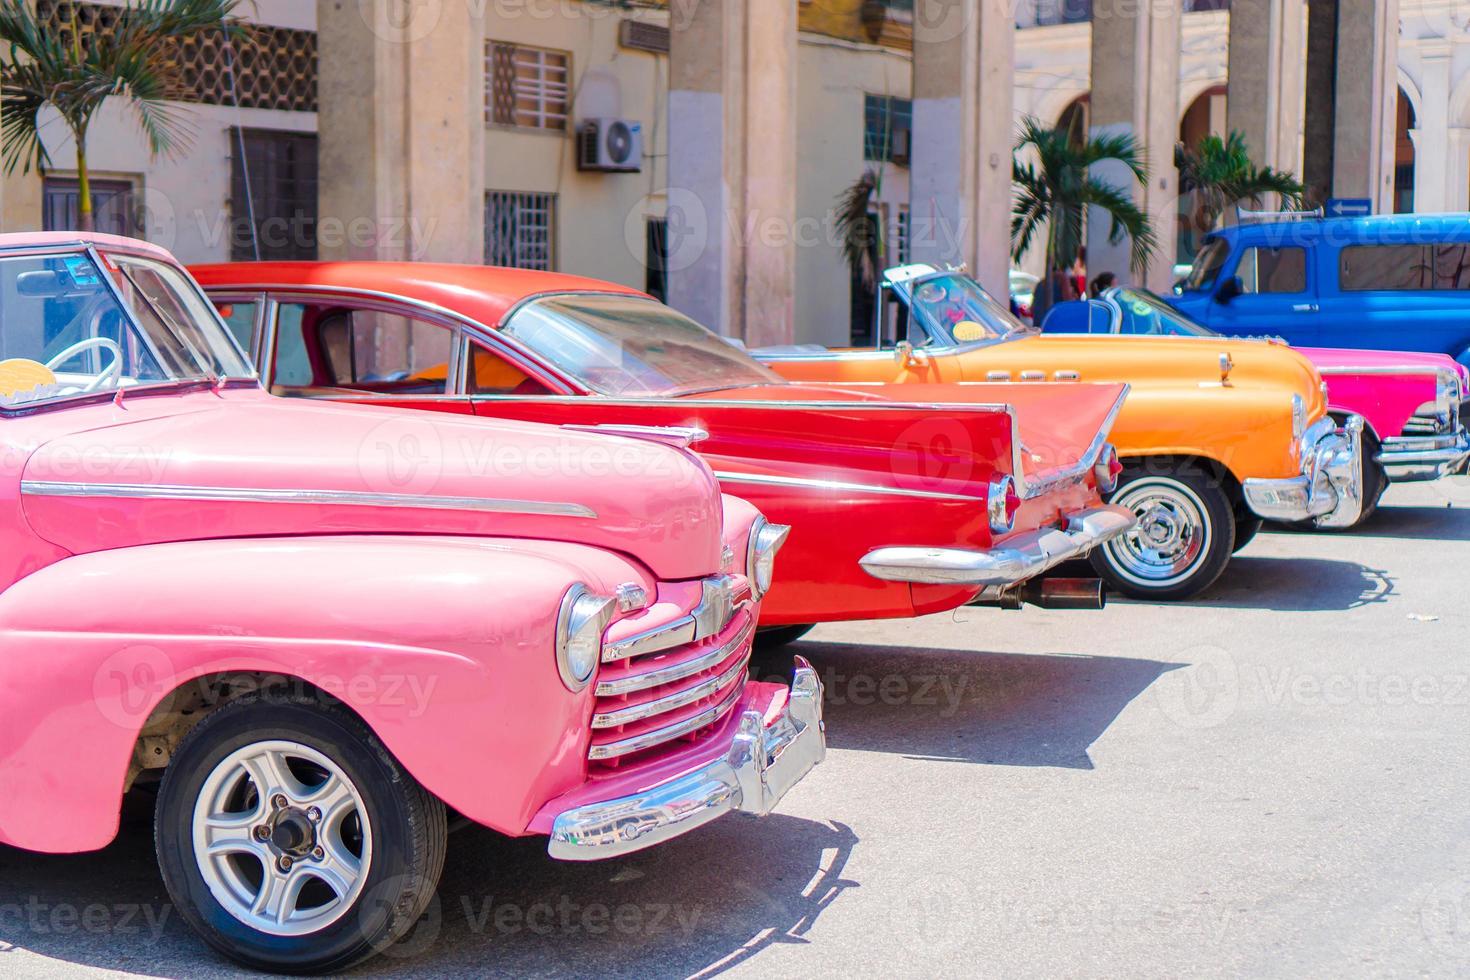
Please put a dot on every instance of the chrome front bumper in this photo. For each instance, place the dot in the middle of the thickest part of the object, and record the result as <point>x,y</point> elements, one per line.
<point>1019,559</point>
<point>1415,458</point>
<point>766,758</point>
<point>1330,490</point>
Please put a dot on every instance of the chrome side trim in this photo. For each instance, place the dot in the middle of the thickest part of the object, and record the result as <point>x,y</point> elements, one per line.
<point>763,762</point>
<point>638,712</point>
<point>761,479</point>
<point>1383,369</point>
<point>680,437</point>
<point>256,495</point>
<point>614,750</point>
<point>677,672</point>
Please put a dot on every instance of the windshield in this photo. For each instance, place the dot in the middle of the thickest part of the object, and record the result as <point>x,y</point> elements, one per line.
<point>630,345</point>
<point>959,311</point>
<point>64,333</point>
<point>1207,265</point>
<point>1145,313</point>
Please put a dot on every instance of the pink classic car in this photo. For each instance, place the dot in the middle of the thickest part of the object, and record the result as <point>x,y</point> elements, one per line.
<point>311,628</point>
<point>1412,403</point>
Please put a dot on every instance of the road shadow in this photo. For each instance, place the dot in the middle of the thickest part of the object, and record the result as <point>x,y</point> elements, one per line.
<point>696,906</point>
<point>999,709</point>
<point>1296,585</point>
<point>1413,523</point>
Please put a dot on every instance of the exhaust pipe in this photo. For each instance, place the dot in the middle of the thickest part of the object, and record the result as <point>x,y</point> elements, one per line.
<point>1050,593</point>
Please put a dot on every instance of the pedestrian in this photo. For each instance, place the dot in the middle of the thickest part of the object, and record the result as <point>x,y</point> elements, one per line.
<point>1079,273</point>
<point>1100,285</point>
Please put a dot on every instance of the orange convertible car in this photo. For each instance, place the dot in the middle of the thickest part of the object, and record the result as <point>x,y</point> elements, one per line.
<point>1217,435</point>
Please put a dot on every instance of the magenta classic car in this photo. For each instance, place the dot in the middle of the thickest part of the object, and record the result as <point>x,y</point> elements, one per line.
<point>1412,403</point>
<point>310,629</point>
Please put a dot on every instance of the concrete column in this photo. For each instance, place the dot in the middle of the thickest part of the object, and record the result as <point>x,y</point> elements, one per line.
<point>1135,89</point>
<point>21,201</point>
<point>1431,133</point>
<point>732,167</point>
<point>960,174</point>
<point>1352,85</point>
<point>402,131</point>
<point>1457,170</point>
<point>1267,79</point>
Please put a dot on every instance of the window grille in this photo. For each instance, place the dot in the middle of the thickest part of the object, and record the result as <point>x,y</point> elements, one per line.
<point>520,230</point>
<point>528,87</point>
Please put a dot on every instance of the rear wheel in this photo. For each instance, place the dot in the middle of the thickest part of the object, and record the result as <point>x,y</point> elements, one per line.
<point>1184,537</point>
<point>292,840</point>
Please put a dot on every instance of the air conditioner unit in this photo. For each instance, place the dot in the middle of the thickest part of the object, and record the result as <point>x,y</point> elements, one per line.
<point>903,139</point>
<point>610,145</point>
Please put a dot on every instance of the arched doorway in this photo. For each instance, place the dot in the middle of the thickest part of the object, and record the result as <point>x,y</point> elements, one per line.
<point>1205,116</point>
<point>1403,156</point>
<point>1076,118</point>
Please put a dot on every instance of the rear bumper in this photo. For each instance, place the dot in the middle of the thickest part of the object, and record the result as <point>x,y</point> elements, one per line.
<point>1019,559</point>
<point>1416,458</point>
<point>780,737</point>
<point>1330,490</point>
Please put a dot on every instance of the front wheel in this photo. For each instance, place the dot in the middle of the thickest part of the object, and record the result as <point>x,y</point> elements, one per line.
<point>1184,537</point>
<point>292,840</point>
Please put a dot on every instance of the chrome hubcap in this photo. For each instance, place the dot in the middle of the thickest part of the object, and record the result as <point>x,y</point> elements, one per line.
<point>1172,536</point>
<point>282,838</point>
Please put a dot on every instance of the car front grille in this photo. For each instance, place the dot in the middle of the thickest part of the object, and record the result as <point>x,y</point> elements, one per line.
<point>673,685</point>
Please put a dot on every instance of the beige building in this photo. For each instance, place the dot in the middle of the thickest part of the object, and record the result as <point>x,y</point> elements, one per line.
<point>654,145</point>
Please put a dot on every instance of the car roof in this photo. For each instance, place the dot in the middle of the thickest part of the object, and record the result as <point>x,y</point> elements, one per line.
<point>34,239</point>
<point>1385,229</point>
<point>481,293</point>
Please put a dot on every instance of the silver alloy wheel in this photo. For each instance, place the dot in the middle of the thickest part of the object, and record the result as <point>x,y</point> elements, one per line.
<point>282,838</point>
<point>1173,534</point>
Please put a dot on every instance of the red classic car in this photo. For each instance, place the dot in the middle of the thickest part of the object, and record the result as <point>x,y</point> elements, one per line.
<point>308,653</point>
<point>902,500</point>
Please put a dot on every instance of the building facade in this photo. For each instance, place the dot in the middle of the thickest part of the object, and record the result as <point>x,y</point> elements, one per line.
<point>546,134</point>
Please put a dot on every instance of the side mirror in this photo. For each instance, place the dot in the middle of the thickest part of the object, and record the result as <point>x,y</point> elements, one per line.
<point>906,356</point>
<point>1229,289</point>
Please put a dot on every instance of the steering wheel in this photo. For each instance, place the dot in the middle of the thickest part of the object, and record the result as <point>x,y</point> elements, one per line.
<point>109,376</point>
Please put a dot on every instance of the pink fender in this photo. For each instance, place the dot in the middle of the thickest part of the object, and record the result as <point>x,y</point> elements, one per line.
<point>1385,387</point>
<point>443,645</point>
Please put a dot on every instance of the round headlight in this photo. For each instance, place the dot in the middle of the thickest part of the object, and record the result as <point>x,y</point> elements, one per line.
<point>583,618</point>
<point>766,540</point>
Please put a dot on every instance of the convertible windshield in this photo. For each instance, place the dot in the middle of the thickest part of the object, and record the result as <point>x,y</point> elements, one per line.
<point>65,333</point>
<point>1145,313</point>
<point>628,345</point>
<point>959,311</point>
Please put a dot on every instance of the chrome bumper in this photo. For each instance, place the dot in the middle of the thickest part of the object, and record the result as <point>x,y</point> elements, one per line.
<point>1414,458</point>
<point>765,760</point>
<point>1023,557</point>
<point>1330,490</point>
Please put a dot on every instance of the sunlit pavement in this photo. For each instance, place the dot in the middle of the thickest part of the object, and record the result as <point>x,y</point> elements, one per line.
<point>1269,781</point>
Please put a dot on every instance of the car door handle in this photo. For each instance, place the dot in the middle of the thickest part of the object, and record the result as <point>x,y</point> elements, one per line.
<point>1304,308</point>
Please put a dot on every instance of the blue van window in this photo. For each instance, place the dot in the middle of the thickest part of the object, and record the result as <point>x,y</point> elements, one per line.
<point>1400,268</point>
<point>1207,264</point>
<point>1272,270</point>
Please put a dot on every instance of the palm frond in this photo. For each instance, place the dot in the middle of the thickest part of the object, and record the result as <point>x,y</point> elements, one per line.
<point>1220,174</point>
<point>855,226</point>
<point>1125,219</point>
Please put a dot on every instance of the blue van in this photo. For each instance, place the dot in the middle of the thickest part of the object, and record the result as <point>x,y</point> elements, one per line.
<point>1385,282</point>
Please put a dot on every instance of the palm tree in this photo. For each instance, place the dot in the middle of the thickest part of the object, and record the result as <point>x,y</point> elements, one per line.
<point>136,60</point>
<point>1055,192</point>
<point>1220,174</point>
<point>861,236</point>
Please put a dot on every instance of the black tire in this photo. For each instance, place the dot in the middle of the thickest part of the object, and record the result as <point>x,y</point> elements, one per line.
<point>775,637</point>
<point>407,834</point>
<point>1247,526</point>
<point>1203,515</point>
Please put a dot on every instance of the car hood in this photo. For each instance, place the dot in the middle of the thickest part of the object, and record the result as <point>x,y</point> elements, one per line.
<point>1145,362</point>
<point>1380,361</point>
<point>243,464</point>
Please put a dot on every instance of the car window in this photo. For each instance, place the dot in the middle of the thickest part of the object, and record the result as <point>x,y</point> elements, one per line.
<point>488,373</point>
<point>1405,268</point>
<point>335,346</point>
<point>1207,265</point>
<point>1272,270</point>
<point>1144,313</point>
<point>240,320</point>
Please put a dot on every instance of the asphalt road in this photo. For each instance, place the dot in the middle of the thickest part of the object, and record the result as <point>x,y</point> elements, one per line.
<point>1271,781</point>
